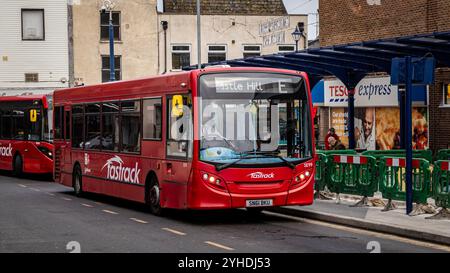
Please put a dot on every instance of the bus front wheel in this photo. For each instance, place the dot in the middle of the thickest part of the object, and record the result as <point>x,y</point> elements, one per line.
<point>77,181</point>
<point>154,196</point>
<point>18,166</point>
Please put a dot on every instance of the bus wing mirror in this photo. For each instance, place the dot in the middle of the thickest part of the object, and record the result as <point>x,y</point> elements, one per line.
<point>177,106</point>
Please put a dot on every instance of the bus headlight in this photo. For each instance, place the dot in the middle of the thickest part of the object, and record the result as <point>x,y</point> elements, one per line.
<point>214,181</point>
<point>302,177</point>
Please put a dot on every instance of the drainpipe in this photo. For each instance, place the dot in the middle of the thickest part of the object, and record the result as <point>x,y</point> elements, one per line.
<point>165,26</point>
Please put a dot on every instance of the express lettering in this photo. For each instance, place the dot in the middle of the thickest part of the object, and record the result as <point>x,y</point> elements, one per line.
<point>116,171</point>
<point>6,151</point>
<point>375,90</point>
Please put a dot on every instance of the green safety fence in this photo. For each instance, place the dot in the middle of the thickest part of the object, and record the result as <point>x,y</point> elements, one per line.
<point>321,171</point>
<point>392,179</point>
<point>337,152</point>
<point>425,154</point>
<point>352,174</point>
<point>443,154</point>
<point>441,183</point>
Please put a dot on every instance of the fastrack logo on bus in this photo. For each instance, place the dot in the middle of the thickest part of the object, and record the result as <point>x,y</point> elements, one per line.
<point>259,175</point>
<point>116,171</point>
<point>6,151</point>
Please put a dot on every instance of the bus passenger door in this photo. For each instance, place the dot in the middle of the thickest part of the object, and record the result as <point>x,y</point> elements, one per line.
<point>66,156</point>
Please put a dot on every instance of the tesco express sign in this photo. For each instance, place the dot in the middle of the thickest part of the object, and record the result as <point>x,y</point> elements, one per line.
<point>370,92</point>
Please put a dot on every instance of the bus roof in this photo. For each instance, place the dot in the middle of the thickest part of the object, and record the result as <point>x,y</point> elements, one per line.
<point>22,98</point>
<point>172,82</point>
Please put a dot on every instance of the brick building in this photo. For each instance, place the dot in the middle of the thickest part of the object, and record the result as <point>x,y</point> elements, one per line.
<point>347,21</point>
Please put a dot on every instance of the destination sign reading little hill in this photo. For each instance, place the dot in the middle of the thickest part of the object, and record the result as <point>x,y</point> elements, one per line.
<point>254,85</point>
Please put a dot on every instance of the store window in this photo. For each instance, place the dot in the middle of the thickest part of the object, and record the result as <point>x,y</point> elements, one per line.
<point>217,53</point>
<point>181,56</point>
<point>447,94</point>
<point>33,27</point>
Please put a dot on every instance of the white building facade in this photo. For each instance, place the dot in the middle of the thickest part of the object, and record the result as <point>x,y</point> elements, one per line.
<point>34,51</point>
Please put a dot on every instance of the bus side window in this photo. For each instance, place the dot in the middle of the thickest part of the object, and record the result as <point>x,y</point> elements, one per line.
<point>152,119</point>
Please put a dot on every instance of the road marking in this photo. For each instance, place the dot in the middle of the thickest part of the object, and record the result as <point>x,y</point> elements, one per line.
<point>65,198</point>
<point>174,231</point>
<point>49,193</point>
<point>109,211</point>
<point>34,189</point>
<point>87,205</point>
<point>367,232</point>
<point>139,221</point>
<point>98,203</point>
<point>23,186</point>
<point>219,245</point>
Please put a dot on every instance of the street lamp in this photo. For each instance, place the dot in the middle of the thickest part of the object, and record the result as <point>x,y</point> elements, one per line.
<point>108,6</point>
<point>298,33</point>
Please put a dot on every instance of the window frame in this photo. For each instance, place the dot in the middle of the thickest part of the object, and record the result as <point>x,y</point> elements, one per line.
<point>172,51</point>
<point>244,51</point>
<point>115,67</point>
<point>119,26</point>
<point>43,23</point>
<point>162,118</point>
<point>286,51</point>
<point>225,51</point>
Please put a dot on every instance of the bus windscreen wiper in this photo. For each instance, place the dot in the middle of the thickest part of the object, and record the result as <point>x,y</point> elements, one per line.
<point>272,154</point>
<point>255,154</point>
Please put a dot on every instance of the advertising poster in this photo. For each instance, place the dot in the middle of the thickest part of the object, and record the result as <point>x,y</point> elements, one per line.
<point>339,123</point>
<point>388,128</point>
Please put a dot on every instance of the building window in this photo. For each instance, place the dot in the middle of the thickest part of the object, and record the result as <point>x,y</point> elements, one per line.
<point>117,68</point>
<point>447,94</point>
<point>217,53</point>
<point>31,77</point>
<point>33,27</point>
<point>104,25</point>
<point>181,56</point>
<point>252,51</point>
<point>286,48</point>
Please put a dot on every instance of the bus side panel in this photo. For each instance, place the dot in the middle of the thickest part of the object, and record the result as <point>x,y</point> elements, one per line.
<point>174,185</point>
<point>112,174</point>
<point>34,161</point>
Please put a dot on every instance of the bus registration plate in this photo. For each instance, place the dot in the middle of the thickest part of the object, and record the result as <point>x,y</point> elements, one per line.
<point>259,203</point>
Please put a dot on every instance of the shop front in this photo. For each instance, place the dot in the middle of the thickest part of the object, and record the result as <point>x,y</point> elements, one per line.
<point>377,113</point>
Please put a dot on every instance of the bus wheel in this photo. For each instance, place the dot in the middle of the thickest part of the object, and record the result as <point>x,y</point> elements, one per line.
<point>18,166</point>
<point>153,197</point>
<point>77,181</point>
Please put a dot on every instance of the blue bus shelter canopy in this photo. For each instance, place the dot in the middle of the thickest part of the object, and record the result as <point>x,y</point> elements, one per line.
<point>352,62</point>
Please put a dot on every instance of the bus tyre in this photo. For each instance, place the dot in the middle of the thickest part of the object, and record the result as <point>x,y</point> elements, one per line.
<point>18,166</point>
<point>77,181</point>
<point>153,197</point>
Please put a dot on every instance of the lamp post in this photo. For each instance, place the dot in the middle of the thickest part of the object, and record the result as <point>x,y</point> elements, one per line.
<point>108,6</point>
<point>298,33</point>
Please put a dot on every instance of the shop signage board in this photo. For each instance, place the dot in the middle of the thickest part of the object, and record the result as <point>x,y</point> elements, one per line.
<point>369,92</point>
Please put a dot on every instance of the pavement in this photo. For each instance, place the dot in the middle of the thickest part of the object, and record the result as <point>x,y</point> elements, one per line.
<point>38,216</point>
<point>394,222</point>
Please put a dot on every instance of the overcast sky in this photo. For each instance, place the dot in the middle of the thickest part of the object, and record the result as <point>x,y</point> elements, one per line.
<point>305,7</point>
